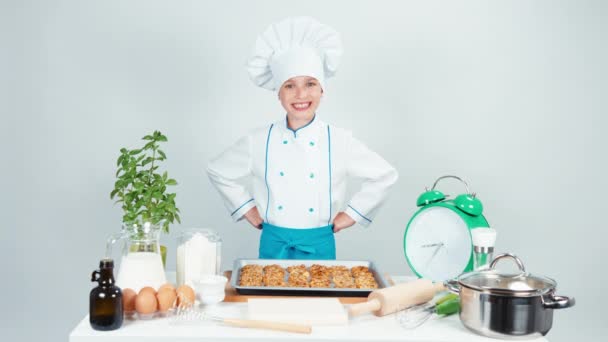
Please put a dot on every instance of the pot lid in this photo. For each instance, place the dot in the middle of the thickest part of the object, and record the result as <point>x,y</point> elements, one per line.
<point>522,284</point>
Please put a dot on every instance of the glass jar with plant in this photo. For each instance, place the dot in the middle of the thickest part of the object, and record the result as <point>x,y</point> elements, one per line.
<point>142,190</point>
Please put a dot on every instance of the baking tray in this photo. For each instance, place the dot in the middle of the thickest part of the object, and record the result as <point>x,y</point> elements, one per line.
<point>303,291</point>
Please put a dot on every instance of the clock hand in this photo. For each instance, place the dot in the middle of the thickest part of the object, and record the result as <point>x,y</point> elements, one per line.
<point>438,247</point>
<point>432,245</point>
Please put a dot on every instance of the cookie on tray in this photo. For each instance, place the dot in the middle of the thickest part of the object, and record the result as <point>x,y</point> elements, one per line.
<point>320,283</point>
<point>251,279</point>
<point>274,281</point>
<point>296,268</point>
<point>274,268</point>
<point>297,282</point>
<point>343,280</point>
<point>320,271</point>
<point>274,275</point>
<point>366,282</point>
<point>252,268</point>
<point>251,275</point>
<point>333,270</point>
<point>298,276</point>
<point>359,270</point>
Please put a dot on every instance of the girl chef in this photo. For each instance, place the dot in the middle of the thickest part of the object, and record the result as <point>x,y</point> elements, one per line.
<point>299,166</point>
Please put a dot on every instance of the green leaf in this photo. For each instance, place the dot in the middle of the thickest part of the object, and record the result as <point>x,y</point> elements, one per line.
<point>171,208</point>
<point>134,152</point>
<point>171,182</point>
<point>147,161</point>
<point>113,193</point>
<point>147,137</point>
<point>162,138</point>
<point>162,154</point>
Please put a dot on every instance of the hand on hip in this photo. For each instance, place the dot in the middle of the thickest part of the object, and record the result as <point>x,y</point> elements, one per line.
<point>342,221</point>
<point>253,217</point>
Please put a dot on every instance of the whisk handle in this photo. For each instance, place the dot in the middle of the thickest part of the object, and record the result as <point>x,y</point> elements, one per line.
<point>289,327</point>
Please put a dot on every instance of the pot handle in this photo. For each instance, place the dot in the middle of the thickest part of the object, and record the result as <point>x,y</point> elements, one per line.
<point>558,302</point>
<point>517,260</point>
<point>452,286</point>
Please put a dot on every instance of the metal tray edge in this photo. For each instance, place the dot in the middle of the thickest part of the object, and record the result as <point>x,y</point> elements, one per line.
<point>382,282</point>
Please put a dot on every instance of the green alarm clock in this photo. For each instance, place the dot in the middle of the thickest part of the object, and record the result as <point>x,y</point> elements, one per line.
<point>437,241</point>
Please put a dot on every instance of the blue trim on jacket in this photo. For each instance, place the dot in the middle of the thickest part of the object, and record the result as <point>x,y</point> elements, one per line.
<point>295,131</point>
<point>239,208</point>
<point>266,172</point>
<point>359,213</point>
<point>329,154</point>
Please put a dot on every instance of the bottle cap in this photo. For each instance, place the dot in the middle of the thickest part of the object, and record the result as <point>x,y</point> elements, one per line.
<point>483,237</point>
<point>106,263</point>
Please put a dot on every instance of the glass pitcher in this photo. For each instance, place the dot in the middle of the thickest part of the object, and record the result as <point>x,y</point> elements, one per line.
<point>141,263</point>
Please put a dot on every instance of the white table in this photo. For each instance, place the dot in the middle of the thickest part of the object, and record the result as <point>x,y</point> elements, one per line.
<point>363,328</point>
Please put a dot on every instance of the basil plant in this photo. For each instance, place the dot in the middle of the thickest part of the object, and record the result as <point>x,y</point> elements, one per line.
<point>141,189</point>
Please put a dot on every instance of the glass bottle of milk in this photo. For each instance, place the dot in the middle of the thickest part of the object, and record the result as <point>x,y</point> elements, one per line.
<point>141,263</point>
<point>198,254</point>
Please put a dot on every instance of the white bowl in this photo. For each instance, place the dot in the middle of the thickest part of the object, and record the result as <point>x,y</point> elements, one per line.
<point>210,289</point>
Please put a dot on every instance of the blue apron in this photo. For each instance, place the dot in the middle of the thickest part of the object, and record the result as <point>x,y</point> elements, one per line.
<point>289,243</point>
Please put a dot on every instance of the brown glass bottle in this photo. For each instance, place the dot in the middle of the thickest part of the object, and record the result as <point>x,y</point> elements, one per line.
<point>105,300</point>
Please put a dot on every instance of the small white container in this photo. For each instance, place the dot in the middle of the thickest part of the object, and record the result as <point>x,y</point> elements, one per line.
<point>198,255</point>
<point>483,247</point>
<point>211,289</point>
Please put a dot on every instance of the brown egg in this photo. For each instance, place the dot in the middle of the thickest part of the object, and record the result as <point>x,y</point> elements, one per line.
<point>147,289</point>
<point>128,300</point>
<point>185,296</point>
<point>146,303</point>
<point>167,286</point>
<point>166,299</point>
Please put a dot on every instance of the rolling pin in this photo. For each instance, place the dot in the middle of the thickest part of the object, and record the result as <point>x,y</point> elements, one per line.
<point>398,297</point>
<point>289,327</point>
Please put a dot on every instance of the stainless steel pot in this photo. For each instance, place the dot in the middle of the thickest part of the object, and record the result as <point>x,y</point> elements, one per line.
<point>507,306</point>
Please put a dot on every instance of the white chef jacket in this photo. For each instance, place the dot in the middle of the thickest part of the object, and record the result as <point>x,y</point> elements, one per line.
<point>298,178</point>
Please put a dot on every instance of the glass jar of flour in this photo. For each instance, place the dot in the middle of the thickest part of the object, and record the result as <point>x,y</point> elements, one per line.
<point>198,254</point>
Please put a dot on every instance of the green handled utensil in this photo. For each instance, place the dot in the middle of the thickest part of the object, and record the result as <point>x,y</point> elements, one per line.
<point>415,316</point>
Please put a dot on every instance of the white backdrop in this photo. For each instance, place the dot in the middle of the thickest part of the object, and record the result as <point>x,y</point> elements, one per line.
<point>508,95</point>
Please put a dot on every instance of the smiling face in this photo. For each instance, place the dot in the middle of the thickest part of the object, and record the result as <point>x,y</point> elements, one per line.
<point>300,96</point>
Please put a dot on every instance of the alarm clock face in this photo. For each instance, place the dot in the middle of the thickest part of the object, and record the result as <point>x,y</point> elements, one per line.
<point>438,244</point>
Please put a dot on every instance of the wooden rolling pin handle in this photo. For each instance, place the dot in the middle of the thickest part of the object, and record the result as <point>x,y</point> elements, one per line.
<point>361,308</point>
<point>289,327</point>
<point>438,287</point>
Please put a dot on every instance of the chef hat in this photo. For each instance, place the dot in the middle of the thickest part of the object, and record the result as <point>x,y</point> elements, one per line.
<point>298,46</point>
